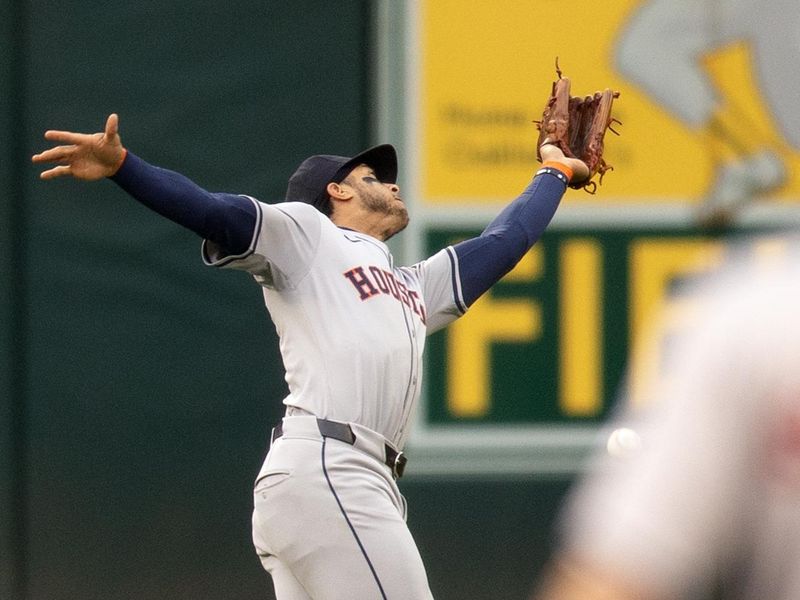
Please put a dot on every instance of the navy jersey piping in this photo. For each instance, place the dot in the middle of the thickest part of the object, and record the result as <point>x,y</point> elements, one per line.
<point>232,257</point>
<point>454,278</point>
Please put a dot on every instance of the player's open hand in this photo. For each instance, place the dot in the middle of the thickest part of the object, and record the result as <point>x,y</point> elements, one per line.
<point>84,156</point>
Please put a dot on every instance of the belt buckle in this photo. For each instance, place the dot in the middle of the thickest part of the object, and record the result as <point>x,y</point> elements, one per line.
<point>399,465</point>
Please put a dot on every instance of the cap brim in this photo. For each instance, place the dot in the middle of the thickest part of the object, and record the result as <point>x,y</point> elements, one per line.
<point>383,159</point>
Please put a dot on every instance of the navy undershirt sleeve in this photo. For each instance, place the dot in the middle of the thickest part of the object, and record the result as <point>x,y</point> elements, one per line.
<point>228,220</point>
<point>484,260</point>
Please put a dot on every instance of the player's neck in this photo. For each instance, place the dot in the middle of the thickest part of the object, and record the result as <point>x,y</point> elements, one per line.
<point>379,226</point>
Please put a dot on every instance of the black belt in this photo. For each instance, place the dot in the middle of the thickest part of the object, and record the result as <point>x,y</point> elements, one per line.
<point>395,460</point>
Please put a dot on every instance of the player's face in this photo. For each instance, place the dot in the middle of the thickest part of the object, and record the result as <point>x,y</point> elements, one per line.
<point>381,199</point>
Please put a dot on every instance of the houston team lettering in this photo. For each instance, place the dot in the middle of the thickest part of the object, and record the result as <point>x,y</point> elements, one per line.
<point>371,281</point>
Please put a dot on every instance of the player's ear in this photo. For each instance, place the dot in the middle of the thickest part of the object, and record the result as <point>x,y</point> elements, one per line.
<point>339,191</point>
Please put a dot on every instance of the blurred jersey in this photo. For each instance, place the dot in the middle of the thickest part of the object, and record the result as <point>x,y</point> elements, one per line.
<point>710,497</point>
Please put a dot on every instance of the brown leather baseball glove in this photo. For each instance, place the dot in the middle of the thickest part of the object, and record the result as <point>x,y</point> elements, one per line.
<point>577,126</point>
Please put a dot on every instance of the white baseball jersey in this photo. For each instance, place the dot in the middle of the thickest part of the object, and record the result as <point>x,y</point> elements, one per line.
<point>351,324</point>
<point>714,493</point>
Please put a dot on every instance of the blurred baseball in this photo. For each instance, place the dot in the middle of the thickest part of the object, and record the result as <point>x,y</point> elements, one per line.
<point>623,442</point>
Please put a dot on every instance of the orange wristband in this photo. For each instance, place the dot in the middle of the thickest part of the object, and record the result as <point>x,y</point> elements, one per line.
<point>560,167</point>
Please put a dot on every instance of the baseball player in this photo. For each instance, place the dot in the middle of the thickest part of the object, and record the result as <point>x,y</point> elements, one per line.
<point>708,499</point>
<point>329,519</point>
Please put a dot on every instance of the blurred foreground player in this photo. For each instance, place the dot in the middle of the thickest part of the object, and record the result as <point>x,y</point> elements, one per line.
<point>707,504</point>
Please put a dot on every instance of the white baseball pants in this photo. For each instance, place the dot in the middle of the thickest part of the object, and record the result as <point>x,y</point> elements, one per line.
<point>329,520</point>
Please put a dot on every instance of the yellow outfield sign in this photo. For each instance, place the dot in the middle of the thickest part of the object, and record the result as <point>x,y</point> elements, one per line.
<point>486,69</point>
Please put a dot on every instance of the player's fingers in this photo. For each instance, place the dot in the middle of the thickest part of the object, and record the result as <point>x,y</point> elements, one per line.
<point>112,125</point>
<point>57,154</point>
<point>56,172</point>
<point>68,137</point>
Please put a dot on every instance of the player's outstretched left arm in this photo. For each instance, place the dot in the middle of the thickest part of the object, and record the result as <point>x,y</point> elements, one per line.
<point>484,260</point>
<point>82,155</point>
<point>226,219</point>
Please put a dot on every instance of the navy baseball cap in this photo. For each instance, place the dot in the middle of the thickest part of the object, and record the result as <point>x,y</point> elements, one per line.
<point>310,181</point>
